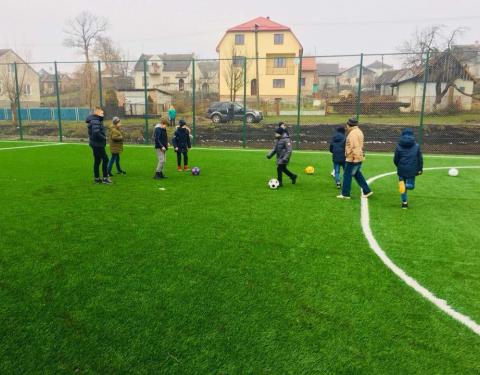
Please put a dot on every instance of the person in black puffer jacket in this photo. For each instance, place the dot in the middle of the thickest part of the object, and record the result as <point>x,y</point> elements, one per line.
<point>337,148</point>
<point>161,147</point>
<point>283,150</point>
<point>408,159</point>
<point>181,144</point>
<point>97,141</point>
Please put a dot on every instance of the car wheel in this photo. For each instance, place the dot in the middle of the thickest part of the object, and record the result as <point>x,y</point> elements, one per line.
<point>250,119</point>
<point>216,119</point>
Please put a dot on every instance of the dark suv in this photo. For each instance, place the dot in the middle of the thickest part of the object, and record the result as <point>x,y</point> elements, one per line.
<point>218,112</point>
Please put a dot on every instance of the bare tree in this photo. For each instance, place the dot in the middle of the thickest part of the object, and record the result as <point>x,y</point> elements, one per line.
<point>82,33</point>
<point>9,86</point>
<point>233,74</point>
<point>116,62</point>
<point>445,66</point>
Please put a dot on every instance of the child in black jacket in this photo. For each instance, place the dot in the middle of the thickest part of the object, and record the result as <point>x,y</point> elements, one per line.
<point>98,141</point>
<point>181,144</point>
<point>161,146</point>
<point>408,159</point>
<point>337,148</point>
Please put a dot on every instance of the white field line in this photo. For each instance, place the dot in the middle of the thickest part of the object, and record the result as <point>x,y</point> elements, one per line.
<point>31,146</point>
<point>410,281</point>
<point>386,154</point>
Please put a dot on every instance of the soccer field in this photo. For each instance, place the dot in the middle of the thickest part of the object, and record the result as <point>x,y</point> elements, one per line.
<point>217,274</point>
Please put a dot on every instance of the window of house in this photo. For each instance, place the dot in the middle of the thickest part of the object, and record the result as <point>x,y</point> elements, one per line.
<point>181,84</point>
<point>303,82</point>
<point>28,89</point>
<point>11,68</point>
<point>279,62</point>
<point>278,83</point>
<point>278,38</point>
<point>239,39</point>
<point>238,60</point>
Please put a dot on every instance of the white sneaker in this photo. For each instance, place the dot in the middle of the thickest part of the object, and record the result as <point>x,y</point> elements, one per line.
<point>368,194</point>
<point>342,197</point>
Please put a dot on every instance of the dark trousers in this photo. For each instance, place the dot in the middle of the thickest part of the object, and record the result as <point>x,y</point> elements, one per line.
<point>100,157</point>
<point>353,170</point>
<point>114,159</point>
<point>282,168</point>
<point>179,158</point>
<point>172,121</point>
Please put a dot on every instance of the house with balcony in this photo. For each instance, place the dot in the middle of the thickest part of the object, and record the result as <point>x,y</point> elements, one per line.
<point>271,51</point>
<point>171,73</point>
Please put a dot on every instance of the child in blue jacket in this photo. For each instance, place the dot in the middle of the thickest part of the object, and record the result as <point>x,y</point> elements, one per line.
<point>409,161</point>
<point>337,148</point>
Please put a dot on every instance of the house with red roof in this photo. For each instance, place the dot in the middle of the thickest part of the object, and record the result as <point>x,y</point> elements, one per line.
<point>269,52</point>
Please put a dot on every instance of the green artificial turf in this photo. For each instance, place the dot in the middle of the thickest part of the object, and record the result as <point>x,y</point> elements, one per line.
<point>219,274</point>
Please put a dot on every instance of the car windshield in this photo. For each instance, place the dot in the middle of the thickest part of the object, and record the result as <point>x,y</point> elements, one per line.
<point>238,107</point>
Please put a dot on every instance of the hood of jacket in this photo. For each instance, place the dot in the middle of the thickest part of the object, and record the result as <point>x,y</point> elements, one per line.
<point>338,137</point>
<point>93,117</point>
<point>407,139</point>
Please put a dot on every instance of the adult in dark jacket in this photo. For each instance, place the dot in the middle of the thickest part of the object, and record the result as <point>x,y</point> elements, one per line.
<point>337,148</point>
<point>181,144</point>
<point>98,141</point>
<point>161,146</point>
<point>409,161</point>
<point>283,151</point>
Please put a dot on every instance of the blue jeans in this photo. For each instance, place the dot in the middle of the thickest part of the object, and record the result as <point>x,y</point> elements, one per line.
<point>336,168</point>
<point>409,185</point>
<point>353,170</point>
<point>114,159</point>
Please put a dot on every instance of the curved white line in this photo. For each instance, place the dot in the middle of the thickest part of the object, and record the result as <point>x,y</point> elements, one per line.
<point>410,281</point>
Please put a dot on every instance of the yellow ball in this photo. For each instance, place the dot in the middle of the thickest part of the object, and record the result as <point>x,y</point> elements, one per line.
<point>309,170</point>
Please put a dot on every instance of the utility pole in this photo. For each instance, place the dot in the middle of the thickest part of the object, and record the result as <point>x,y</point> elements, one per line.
<point>256,66</point>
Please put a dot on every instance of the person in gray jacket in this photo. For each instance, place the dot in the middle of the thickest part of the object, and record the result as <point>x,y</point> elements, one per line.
<point>283,150</point>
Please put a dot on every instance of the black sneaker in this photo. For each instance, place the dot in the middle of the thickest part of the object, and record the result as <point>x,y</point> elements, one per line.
<point>98,180</point>
<point>121,172</point>
<point>339,186</point>
<point>158,176</point>
<point>106,180</point>
<point>294,179</point>
<point>404,205</point>
<point>162,175</point>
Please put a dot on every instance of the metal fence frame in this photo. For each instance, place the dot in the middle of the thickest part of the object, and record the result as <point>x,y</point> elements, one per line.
<point>358,104</point>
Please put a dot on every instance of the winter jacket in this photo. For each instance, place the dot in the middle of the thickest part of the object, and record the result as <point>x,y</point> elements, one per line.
<point>181,139</point>
<point>283,149</point>
<point>408,157</point>
<point>337,148</point>
<point>354,146</point>
<point>172,113</point>
<point>160,136</point>
<point>115,139</point>
<point>96,131</point>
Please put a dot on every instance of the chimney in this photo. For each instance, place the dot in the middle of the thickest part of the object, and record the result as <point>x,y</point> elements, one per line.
<point>268,17</point>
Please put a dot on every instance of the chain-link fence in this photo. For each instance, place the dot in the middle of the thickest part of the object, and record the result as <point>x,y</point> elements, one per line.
<point>239,101</point>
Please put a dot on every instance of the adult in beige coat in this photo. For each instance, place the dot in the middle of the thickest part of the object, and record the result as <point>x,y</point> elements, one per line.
<point>354,156</point>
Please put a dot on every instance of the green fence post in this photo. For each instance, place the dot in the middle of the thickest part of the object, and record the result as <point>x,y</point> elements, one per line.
<point>100,89</point>
<point>359,89</point>
<point>194,88</point>
<point>17,101</point>
<point>244,125</point>
<point>299,100</point>
<point>145,92</point>
<point>59,114</point>
<point>424,93</point>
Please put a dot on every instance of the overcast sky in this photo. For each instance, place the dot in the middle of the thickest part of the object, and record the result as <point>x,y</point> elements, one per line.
<point>156,26</point>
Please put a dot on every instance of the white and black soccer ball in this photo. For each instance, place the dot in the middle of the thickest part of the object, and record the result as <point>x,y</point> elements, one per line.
<point>453,172</point>
<point>273,183</point>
